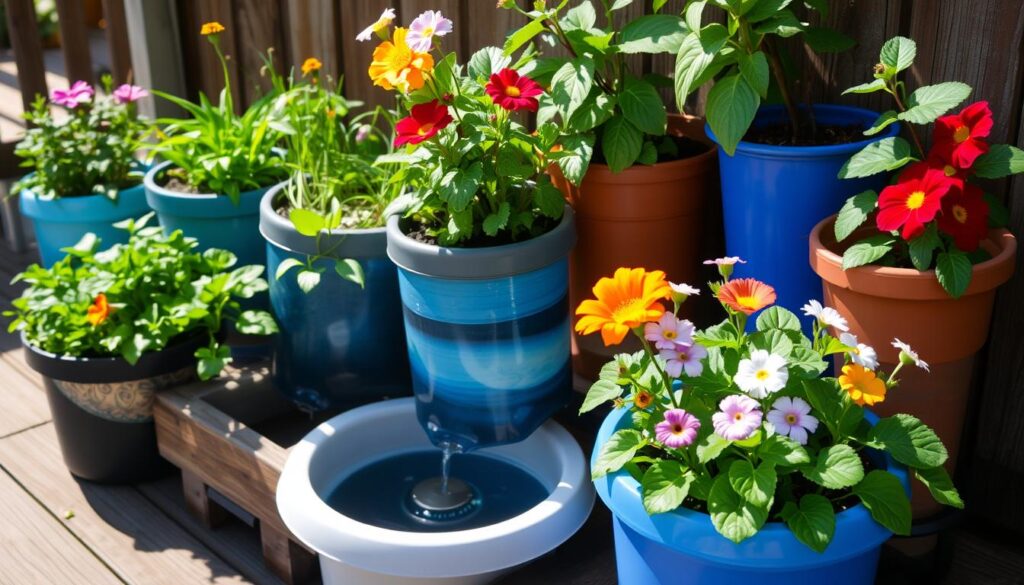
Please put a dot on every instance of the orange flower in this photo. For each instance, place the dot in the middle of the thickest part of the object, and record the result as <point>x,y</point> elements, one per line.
<point>746,295</point>
<point>863,386</point>
<point>211,28</point>
<point>395,65</point>
<point>624,302</point>
<point>99,310</point>
<point>642,399</point>
<point>310,65</point>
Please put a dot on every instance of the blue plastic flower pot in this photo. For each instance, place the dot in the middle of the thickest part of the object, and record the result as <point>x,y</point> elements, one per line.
<point>339,345</point>
<point>488,334</point>
<point>683,548</point>
<point>773,196</point>
<point>61,223</point>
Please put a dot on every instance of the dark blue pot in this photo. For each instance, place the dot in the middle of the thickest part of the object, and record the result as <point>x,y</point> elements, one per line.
<point>339,345</point>
<point>683,548</point>
<point>488,334</point>
<point>773,196</point>
<point>61,223</point>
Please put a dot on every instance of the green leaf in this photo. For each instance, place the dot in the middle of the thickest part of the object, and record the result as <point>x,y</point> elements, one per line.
<point>755,485</point>
<point>641,104</point>
<point>592,114</point>
<point>731,106</point>
<point>308,280</point>
<point>813,522</point>
<point>781,450</point>
<point>785,24</point>
<point>306,222</point>
<point>351,270</point>
<point>516,40</point>
<point>773,341</point>
<point>922,248</point>
<point>940,485</point>
<point>764,9</point>
<point>698,60</point>
<point>1000,161</point>
<point>256,323</point>
<point>998,214</point>
<point>884,120</point>
<point>870,87</point>
<point>653,33</point>
<point>495,222</point>
<point>711,447</point>
<point>868,250</point>
<point>571,85</point>
<point>754,69</point>
<point>621,142</point>
<point>648,154</point>
<point>776,317</point>
<point>826,40</point>
<point>931,101</point>
<point>665,485</point>
<point>878,157</point>
<point>883,496</point>
<point>211,361</point>
<point>458,187</point>
<point>286,265</point>
<point>854,213</point>
<point>487,61</point>
<point>909,441</point>
<point>692,15</point>
<point>580,17</point>
<point>620,448</point>
<point>898,53</point>
<point>574,160</point>
<point>806,363</point>
<point>548,199</point>
<point>838,466</point>
<point>732,516</point>
<point>953,269</point>
<point>836,409</point>
<point>601,392</point>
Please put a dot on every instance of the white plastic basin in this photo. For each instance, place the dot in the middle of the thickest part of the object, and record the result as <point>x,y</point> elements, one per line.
<point>354,553</point>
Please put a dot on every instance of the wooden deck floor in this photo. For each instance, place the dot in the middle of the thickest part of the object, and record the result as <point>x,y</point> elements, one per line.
<point>58,530</point>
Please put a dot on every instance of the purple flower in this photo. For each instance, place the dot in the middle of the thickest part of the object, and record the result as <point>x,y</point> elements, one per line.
<point>127,94</point>
<point>80,92</point>
<point>423,30</point>
<point>669,332</point>
<point>738,418</point>
<point>792,417</point>
<point>684,357</point>
<point>679,428</point>
<point>363,133</point>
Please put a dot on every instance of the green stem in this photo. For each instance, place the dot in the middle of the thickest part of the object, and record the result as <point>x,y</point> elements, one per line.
<point>664,375</point>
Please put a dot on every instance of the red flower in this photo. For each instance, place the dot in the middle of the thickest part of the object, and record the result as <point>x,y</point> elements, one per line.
<point>513,92</point>
<point>958,176</point>
<point>965,217</point>
<point>958,136</point>
<point>913,201</point>
<point>425,121</point>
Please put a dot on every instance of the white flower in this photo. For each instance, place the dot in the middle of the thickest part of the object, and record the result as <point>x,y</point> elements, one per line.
<point>827,316</point>
<point>762,374</point>
<point>385,20</point>
<point>684,289</point>
<point>909,356</point>
<point>862,354</point>
<point>792,417</point>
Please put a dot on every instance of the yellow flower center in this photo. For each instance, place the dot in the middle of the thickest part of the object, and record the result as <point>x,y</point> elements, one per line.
<point>631,311</point>
<point>749,302</point>
<point>961,133</point>
<point>762,375</point>
<point>948,170</point>
<point>512,91</point>
<point>428,31</point>
<point>669,334</point>
<point>959,213</point>
<point>916,200</point>
<point>791,418</point>
<point>425,129</point>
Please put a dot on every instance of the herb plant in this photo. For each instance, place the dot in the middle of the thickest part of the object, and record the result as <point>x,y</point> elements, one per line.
<point>935,215</point>
<point>741,424</point>
<point>216,150</point>
<point>137,298</point>
<point>90,148</point>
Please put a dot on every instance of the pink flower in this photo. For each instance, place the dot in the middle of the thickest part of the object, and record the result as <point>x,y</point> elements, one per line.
<point>79,93</point>
<point>727,261</point>
<point>679,428</point>
<point>738,419</point>
<point>669,332</point>
<point>422,31</point>
<point>363,133</point>
<point>127,94</point>
<point>792,417</point>
<point>684,357</point>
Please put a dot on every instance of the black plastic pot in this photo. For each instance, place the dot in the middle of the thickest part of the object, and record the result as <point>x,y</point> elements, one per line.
<point>102,408</point>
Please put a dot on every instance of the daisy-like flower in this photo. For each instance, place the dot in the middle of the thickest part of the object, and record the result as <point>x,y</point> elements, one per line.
<point>679,428</point>
<point>738,417</point>
<point>725,265</point>
<point>98,311</point>
<point>396,65</point>
<point>423,123</point>
<point>127,93</point>
<point>909,356</point>
<point>746,295</point>
<point>514,92</point>
<point>827,316</point>
<point>428,25</point>
<point>863,386</point>
<point>861,353</point>
<point>792,418</point>
<point>682,291</point>
<point>642,399</point>
<point>211,28</point>
<point>913,201</point>
<point>385,20</point>
<point>669,331</point>
<point>684,358</point>
<point>80,92</point>
<point>762,373</point>
<point>626,301</point>
<point>310,65</point>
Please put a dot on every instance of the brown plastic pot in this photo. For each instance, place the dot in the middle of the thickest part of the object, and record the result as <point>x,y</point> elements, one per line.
<point>884,303</point>
<point>653,217</point>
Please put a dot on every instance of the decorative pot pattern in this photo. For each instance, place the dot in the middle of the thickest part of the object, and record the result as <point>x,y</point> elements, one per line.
<point>127,402</point>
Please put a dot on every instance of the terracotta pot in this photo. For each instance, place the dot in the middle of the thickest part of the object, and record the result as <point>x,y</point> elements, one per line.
<point>646,216</point>
<point>885,303</point>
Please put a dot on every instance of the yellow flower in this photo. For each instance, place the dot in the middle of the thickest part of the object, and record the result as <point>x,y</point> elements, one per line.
<point>626,301</point>
<point>310,65</point>
<point>211,28</point>
<point>395,65</point>
<point>863,386</point>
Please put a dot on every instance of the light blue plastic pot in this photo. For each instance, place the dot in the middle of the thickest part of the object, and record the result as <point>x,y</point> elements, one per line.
<point>339,345</point>
<point>212,219</point>
<point>773,196</point>
<point>61,223</point>
<point>488,334</point>
<point>683,548</point>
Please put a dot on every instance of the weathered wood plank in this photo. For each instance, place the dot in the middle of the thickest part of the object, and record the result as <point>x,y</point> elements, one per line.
<point>29,407</point>
<point>483,25</point>
<point>35,548</point>
<point>156,52</point>
<point>117,41</point>
<point>312,32</point>
<point>74,41</point>
<point>211,75</point>
<point>131,535</point>
<point>259,29</point>
<point>28,49</point>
